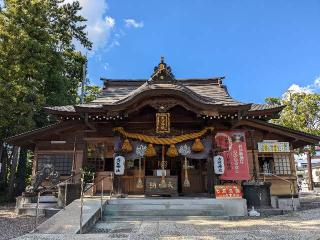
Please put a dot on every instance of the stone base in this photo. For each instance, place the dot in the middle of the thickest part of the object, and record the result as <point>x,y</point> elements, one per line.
<point>286,203</point>
<point>176,207</point>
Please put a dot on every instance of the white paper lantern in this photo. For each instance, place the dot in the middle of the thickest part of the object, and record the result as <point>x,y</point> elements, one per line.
<point>119,162</point>
<point>218,163</point>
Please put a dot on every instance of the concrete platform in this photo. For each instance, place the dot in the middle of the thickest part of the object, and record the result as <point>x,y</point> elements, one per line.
<point>68,221</point>
<point>175,207</point>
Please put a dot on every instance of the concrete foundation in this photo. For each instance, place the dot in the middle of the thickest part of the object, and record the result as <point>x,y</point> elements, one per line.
<point>176,207</point>
<point>286,203</point>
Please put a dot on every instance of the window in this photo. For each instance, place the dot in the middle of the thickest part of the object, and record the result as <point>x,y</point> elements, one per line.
<point>282,164</point>
<point>100,156</point>
<point>62,162</point>
<point>275,163</point>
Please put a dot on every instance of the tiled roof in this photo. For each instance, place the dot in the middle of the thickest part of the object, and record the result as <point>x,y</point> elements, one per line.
<point>260,107</point>
<point>206,91</point>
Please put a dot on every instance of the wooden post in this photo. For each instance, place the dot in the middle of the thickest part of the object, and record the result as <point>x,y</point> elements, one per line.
<point>210,176</point>
<point>310,183</point>
<point>15,158</point>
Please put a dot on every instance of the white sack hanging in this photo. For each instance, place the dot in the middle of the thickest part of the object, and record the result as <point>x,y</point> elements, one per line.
<point>218,163</point>
<point>119,165</point>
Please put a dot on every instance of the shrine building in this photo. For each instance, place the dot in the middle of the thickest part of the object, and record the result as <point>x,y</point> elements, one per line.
<point>165,136</point>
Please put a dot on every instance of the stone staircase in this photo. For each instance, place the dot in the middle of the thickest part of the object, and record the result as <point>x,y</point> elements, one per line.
<point>162,207</point>
<point>47,206</point>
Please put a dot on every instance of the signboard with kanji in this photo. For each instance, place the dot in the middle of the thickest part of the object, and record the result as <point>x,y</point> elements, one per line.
<point>269,146</point>
<point>163,122</point>
<point>228,191</point>
<point>233,149</point>
<point>119,165</point>
<point>218,164</point>
<point>153,186</point>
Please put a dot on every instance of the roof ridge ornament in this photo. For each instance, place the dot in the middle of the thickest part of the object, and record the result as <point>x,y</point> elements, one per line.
<point>162,73</point>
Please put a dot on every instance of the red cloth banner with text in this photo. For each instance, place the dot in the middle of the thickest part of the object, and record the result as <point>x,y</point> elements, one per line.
<point>234,151</point>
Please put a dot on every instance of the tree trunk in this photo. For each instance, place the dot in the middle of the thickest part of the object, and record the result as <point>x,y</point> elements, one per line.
<point>21,172</point>
<point>4,170</point>
<point>15,156</point>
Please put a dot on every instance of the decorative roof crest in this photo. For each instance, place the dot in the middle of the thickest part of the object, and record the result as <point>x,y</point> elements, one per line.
<point>162,73</point>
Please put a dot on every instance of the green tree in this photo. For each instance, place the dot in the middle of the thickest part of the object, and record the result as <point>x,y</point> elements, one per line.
<point>39,65</point>
<point>302,111</point>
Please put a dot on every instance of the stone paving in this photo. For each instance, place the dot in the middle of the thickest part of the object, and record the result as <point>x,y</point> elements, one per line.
<point>304,225</point>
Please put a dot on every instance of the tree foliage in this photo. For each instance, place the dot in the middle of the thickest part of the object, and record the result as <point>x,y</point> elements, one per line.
<point>302,112</point>
<point>38,62</point>
<point>39,67</point>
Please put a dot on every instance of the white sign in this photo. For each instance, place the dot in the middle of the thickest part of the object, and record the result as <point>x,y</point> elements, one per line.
<point>140,150</point>
<point>184,150</point>
<point>273,147</point>
<point>119,165</point>
<point>218,163</point>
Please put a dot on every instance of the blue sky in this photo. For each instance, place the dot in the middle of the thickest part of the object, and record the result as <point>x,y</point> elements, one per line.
<point>262,47</point>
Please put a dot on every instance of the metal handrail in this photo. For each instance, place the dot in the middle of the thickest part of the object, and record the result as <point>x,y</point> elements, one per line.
<point>101,197</point>
<point>47,190</point>
<point>283,179</point>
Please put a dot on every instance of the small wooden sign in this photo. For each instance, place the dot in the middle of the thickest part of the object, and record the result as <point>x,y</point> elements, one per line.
<point>163,122</point>
<point>152,186</point>
<point>228,191</point>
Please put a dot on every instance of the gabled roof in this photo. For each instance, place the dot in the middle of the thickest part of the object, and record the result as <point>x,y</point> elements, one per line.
<point>207,93</point>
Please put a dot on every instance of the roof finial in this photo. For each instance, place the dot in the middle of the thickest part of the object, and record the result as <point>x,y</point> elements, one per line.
<point>162,59</point>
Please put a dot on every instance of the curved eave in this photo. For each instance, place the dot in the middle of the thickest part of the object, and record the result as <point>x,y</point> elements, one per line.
<point>190,100</point>
<point>267,111</point>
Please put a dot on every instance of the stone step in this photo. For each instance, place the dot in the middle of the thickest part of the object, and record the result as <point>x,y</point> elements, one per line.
<point>165,212</point>
<point>112,219</point>
<point>41,205</point>
<point>48,199</point>
<point>148,207</point>
<point>31,211</point>
<point>157,201</point>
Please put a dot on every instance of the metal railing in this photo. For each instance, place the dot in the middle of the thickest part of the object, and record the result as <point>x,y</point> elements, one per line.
<point>48,190</point>
<point>285,180</point>
<point>101,196</point>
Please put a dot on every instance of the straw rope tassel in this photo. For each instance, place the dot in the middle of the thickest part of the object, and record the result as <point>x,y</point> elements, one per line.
<point>163,183</point>
<point>139,182</point>
<point>186,182</point>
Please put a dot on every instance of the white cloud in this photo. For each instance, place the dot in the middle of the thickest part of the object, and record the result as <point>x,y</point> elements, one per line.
<point>99,26</point>
<point>309,89</point>
<point>133,23</point>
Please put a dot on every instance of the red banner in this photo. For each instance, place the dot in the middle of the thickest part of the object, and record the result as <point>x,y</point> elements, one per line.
<point>228,191</point>
<point>234,151</point>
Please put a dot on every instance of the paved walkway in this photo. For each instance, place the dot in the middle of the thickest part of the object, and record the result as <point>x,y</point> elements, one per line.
<point>303,225</point>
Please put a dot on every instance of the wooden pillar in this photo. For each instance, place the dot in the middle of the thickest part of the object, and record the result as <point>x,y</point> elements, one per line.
<point>310,183</point>
<point>210,176</point>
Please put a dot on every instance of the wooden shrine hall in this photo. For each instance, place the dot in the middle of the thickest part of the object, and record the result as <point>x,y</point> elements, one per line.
<point>170,137</point>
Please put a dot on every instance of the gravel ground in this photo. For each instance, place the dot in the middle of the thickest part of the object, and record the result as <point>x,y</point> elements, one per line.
<point>13,225</point>
<point>304,225</point>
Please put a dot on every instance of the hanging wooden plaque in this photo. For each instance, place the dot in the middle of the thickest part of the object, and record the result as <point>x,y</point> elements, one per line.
<point>163,122</point>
